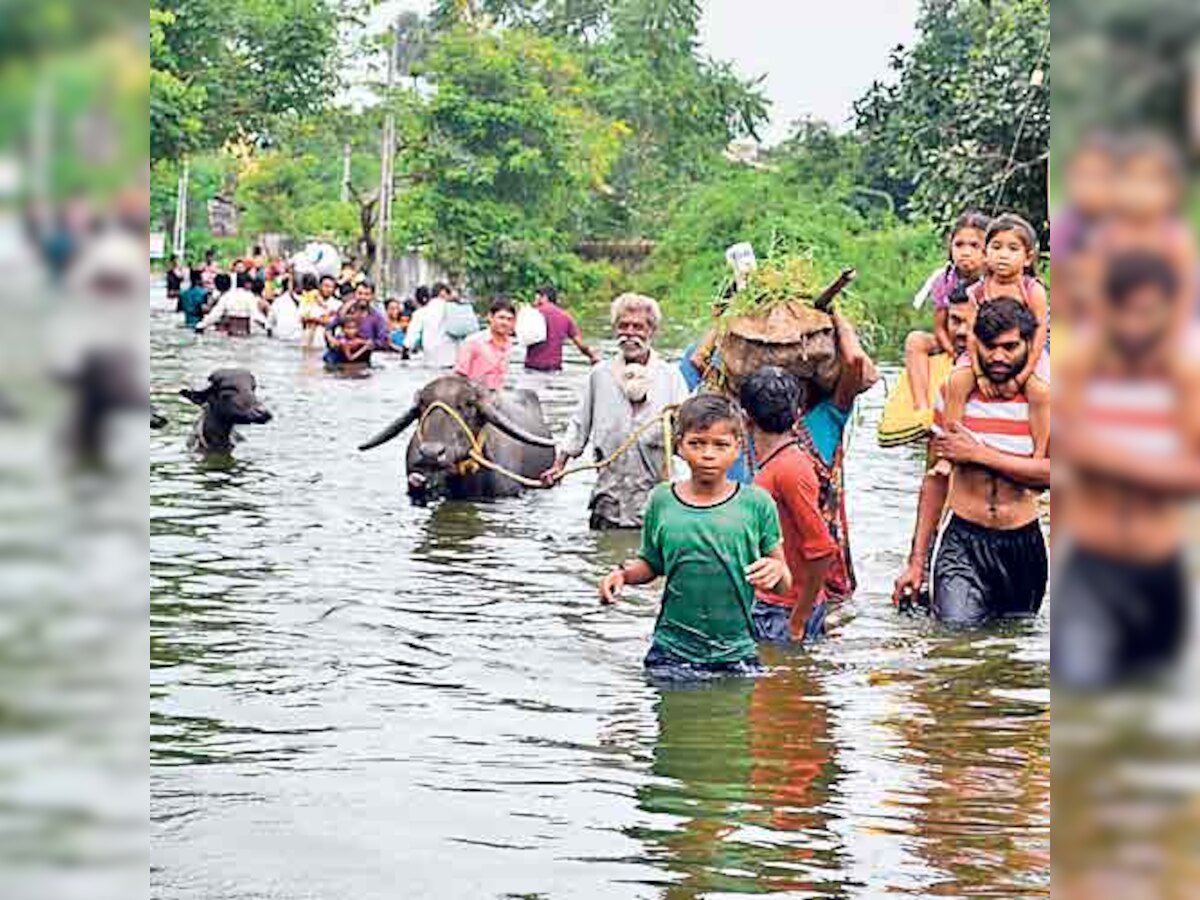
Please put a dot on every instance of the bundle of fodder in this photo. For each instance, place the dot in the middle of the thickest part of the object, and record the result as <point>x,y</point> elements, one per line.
<point>779,318</point>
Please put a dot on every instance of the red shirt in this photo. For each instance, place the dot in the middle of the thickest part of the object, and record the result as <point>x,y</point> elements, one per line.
<point>560,327</point>
<point>789,477</point>
<point>483,360</point>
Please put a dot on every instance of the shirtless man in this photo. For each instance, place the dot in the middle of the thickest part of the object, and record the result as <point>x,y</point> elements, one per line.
<point>1128,413</point>
<point>991,561</point>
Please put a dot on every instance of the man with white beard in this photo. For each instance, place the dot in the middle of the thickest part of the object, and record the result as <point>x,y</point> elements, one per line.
<point>623,394</point>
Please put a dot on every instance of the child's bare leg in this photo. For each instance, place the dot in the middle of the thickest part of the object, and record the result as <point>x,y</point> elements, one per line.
<point>918,347</point>
<point>1037,392</point>
<point>959,388</point>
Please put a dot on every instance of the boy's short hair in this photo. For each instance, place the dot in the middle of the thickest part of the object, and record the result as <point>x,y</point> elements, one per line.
<point>501,304</point>
<point>308,282</point>
<point>703,411</point>
<point>549,293</point>
<point>1004,314</point>
<point>773,397</point>
<point>245,280</point>
<point>222,282</point>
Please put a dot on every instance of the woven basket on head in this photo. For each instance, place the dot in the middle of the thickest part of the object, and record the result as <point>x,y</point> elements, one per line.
<point>791,335</point>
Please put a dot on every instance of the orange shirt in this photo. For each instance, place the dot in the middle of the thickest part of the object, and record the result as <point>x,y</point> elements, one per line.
<point>481,358</point>
<point>789,477</point>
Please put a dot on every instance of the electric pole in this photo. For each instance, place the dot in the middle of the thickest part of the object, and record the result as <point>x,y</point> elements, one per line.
<point>179,236</point>
<point>386,176</point>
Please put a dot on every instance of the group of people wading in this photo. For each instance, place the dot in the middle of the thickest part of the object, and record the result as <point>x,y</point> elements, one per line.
<point>752,540</point>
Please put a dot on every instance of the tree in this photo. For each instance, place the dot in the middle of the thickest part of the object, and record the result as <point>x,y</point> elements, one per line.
<point>296,187</point>
<point>233,68</point>
<point>968,122</point>
<point>499,156</point>
<point>681,109</point>
<point>1123,64</point>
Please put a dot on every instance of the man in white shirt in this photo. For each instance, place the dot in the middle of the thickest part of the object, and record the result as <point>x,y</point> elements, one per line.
<point>238,308</point>
<point>283,320</point>
<point>623,394</point>
<point>427,332</point>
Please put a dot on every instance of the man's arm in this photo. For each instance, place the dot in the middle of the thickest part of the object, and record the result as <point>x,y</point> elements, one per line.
<point>579,430</point>
<point>809,581</point>
<point>214,315</point>
<point>959,446</point>
<point>415,326</point>
<point>1176,475</point>
<point>935,488</point>
<point>577,340</point>
<point>858,370</point>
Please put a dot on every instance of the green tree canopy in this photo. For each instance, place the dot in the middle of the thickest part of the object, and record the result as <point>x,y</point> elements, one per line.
<point>968,122</point>
<point>500,156</point>
<point>230,68</point>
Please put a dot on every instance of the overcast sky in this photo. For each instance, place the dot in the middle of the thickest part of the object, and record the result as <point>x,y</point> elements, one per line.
<point>819,56</point>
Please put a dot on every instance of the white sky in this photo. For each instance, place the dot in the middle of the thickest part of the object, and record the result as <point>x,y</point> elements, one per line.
<point>819,56</point>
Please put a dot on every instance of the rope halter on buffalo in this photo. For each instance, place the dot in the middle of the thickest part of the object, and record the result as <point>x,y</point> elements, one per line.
<point>477,459</point>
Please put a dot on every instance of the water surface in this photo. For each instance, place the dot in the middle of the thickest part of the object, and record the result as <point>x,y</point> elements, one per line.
<point>353,697</point>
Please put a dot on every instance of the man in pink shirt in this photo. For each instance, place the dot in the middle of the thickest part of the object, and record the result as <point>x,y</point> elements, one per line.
<point>483,357</point>
<point>560,327</point>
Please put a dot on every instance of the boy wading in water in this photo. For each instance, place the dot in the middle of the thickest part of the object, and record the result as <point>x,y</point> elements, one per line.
<point>773,400</point>
<point>716,542</point>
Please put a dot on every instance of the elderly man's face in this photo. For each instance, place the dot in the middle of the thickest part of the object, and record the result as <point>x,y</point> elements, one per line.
<point>634,332</point>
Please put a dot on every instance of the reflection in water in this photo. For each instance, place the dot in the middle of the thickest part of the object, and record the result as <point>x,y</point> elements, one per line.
<point>352,696</point>
<point>1126,808</point>
<point>743,773</point>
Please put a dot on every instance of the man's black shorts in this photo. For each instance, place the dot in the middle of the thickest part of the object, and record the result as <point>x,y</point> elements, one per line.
<point>1112,621</point>
<point>981,574</point>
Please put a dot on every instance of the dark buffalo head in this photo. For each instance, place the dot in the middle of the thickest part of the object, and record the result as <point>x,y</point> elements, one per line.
<point>440,448</point>
<point>230,398</point>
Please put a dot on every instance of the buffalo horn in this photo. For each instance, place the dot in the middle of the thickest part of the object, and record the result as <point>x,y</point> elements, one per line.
<point>393,430</point>
<point>495,417</point>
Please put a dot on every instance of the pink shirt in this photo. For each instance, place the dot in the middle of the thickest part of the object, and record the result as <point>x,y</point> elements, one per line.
<point>483,360</point>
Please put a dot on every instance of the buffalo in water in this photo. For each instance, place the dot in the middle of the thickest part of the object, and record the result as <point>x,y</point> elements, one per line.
<point>511,427</point>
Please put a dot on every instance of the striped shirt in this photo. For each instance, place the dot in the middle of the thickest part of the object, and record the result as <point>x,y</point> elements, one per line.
<point>1000,424</point>
<point>1138,415</point>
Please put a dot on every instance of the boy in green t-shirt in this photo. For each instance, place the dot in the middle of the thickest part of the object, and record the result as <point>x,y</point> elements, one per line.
<point>716,542</point>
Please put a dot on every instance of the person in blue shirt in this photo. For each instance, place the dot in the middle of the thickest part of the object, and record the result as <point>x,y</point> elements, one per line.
<point>819,431</point>
<point>192,299</point>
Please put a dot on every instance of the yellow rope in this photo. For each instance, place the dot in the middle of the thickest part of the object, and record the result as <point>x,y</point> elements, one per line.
<point>476,454</point>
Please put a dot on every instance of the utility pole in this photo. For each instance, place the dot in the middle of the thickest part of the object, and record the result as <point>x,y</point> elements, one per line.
<point>386,176</point>
<point>346,172</point>
<point>179,236</point>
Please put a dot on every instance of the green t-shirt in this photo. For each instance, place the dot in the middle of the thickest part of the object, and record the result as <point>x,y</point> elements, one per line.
<point>703,553</point>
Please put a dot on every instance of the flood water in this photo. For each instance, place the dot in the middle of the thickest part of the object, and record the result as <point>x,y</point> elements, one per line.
<point>353,697</point>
